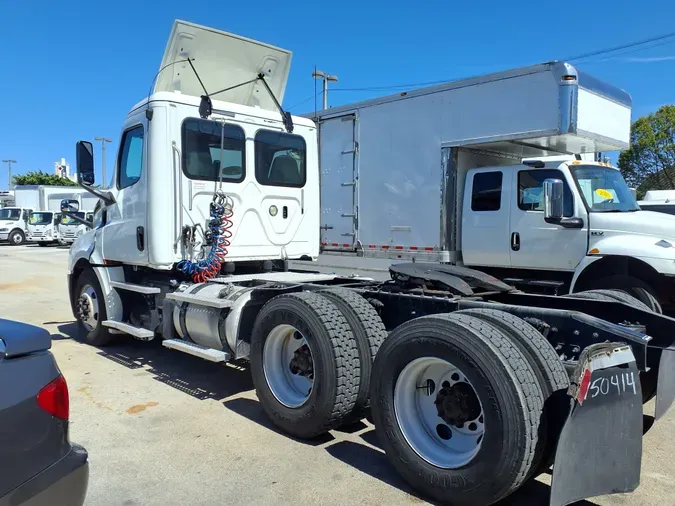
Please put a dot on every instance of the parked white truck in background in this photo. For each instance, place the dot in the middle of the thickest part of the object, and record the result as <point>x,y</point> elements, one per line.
<point>660,201</point>
<point>456,173</point>
<point>29,198</point>
<point>474,387</point>
<point>43,227</point>
<point>70,229</point>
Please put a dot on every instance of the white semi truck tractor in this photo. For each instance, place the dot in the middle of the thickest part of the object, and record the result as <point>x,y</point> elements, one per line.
<point>474,386</point>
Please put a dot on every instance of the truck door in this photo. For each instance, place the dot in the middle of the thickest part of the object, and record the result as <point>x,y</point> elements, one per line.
<point>339,178</point>
<point>125,231</point>
<point>485,217</point>
<point>535,244</point>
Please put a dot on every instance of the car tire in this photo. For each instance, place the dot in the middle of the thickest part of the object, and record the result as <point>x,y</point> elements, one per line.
<point>16,238</point>
<point>369,333</point>
<point>329,398</point>
<point>511,404</point>
<point>93,332</point>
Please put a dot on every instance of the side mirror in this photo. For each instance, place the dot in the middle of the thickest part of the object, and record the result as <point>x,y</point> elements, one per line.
<point>84,156</point>
<point>553,200</point>
<point>70,206</point>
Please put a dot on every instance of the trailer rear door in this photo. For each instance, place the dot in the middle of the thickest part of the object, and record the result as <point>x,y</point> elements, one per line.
<point>339,180</point>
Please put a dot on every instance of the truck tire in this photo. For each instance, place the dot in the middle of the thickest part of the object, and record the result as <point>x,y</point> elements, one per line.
<point>611,295</point>
<point>16,237</point>
<point>547,367</point>
<point>304,364</point>
<point>632,286</point>
<point>369,333</point>
<point>90,309</point>
<point>492,379</point>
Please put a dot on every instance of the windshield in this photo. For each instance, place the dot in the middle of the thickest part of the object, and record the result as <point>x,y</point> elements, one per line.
<point>10,214</point>
<point>604,190</point>
<point>66,220</point>
<point>40,218</point>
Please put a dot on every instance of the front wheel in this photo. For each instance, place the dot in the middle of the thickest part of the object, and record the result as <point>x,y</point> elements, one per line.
<point>90,309</point>
<point>17,237</point>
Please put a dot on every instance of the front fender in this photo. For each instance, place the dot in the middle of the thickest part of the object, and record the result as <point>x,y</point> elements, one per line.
<point>640,247</point>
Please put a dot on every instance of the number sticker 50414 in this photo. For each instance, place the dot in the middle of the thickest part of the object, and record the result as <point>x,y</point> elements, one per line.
<point>616,383</point>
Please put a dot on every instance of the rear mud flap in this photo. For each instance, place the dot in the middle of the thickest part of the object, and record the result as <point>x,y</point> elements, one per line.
<point>665,388</point>
<point>600,447</point>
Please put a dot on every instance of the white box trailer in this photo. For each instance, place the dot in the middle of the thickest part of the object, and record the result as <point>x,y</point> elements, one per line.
<point>48,198</point>
<point>388,183</point>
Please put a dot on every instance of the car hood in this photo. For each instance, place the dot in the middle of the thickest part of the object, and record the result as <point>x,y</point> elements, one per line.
<point>21,338</point>
<point>649,223</point>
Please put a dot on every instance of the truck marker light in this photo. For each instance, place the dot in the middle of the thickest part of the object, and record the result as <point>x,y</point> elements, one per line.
<point>594,251</point>
<point>583,386</point>
<point>273,210</point>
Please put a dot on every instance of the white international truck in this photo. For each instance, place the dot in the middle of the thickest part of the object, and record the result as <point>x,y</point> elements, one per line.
<point>15,220</point>
<point>474,387</point>
<point>43,228</point>
<point>456,173</point>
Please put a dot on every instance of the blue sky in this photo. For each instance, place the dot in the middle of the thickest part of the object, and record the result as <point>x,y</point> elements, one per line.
<point>71,70</point>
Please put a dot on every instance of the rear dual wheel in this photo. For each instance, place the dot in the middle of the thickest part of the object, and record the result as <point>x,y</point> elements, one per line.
<point>458,407</point>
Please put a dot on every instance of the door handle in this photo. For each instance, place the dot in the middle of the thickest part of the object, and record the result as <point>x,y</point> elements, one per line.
<point>515,241</point>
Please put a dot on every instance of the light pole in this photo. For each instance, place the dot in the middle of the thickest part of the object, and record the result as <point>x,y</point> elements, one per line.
<point>103,140</point>
<point>326,78</point>
<point>9,172</point>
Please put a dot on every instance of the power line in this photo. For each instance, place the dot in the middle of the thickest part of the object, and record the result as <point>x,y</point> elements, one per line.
<point>662,43</point>
<point>305,100</point>
<point>617,48</point>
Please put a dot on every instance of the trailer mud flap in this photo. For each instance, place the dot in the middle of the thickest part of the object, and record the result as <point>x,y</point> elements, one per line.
<point>600,447</point>
<point>665,388</point>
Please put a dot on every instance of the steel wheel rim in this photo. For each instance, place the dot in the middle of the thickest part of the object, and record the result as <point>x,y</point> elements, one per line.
<point>88,307</point>
<point>284,347</point>
<point>16,238</point>
<point>418,388</point>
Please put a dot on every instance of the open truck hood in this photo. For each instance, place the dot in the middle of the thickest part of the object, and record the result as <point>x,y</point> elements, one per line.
<point>222,60</point>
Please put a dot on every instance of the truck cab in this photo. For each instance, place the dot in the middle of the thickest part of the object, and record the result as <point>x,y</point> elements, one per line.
<point>43,227</point>
<point>575,223</point>
<point>69,229</point>
<point>13,223</point>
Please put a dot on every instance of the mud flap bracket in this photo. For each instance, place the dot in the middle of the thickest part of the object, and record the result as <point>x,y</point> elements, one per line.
<point>600,447</point>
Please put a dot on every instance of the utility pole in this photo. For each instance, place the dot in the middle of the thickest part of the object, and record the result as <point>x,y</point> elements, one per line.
<point>326,78</point>
<point>103,140</point>
<point>9,172</point>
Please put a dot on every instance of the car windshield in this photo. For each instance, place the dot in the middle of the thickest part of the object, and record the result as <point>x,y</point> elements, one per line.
<point>40,218</point>
<point>604,189</point>
<point>10,214</point>
<point>66,220</point>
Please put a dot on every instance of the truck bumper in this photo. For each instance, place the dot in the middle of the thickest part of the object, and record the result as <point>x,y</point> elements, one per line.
<point>64,482</point>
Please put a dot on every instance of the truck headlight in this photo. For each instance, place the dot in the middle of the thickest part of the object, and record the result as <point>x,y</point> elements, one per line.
<point>4,230</point>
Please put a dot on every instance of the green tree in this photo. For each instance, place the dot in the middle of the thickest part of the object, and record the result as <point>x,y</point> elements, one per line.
<point>41,178</point>
<point>649,164</point>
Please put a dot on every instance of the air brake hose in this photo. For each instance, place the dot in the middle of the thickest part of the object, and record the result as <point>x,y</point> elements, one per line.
<point>218,228</point>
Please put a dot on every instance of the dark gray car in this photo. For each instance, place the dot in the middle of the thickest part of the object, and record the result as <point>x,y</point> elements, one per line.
<point>38,464</point>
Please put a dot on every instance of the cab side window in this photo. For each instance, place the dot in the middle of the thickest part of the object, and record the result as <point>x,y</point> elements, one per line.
<point>486,194</point>
<point>531,190</point>
<point>130,158</point>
